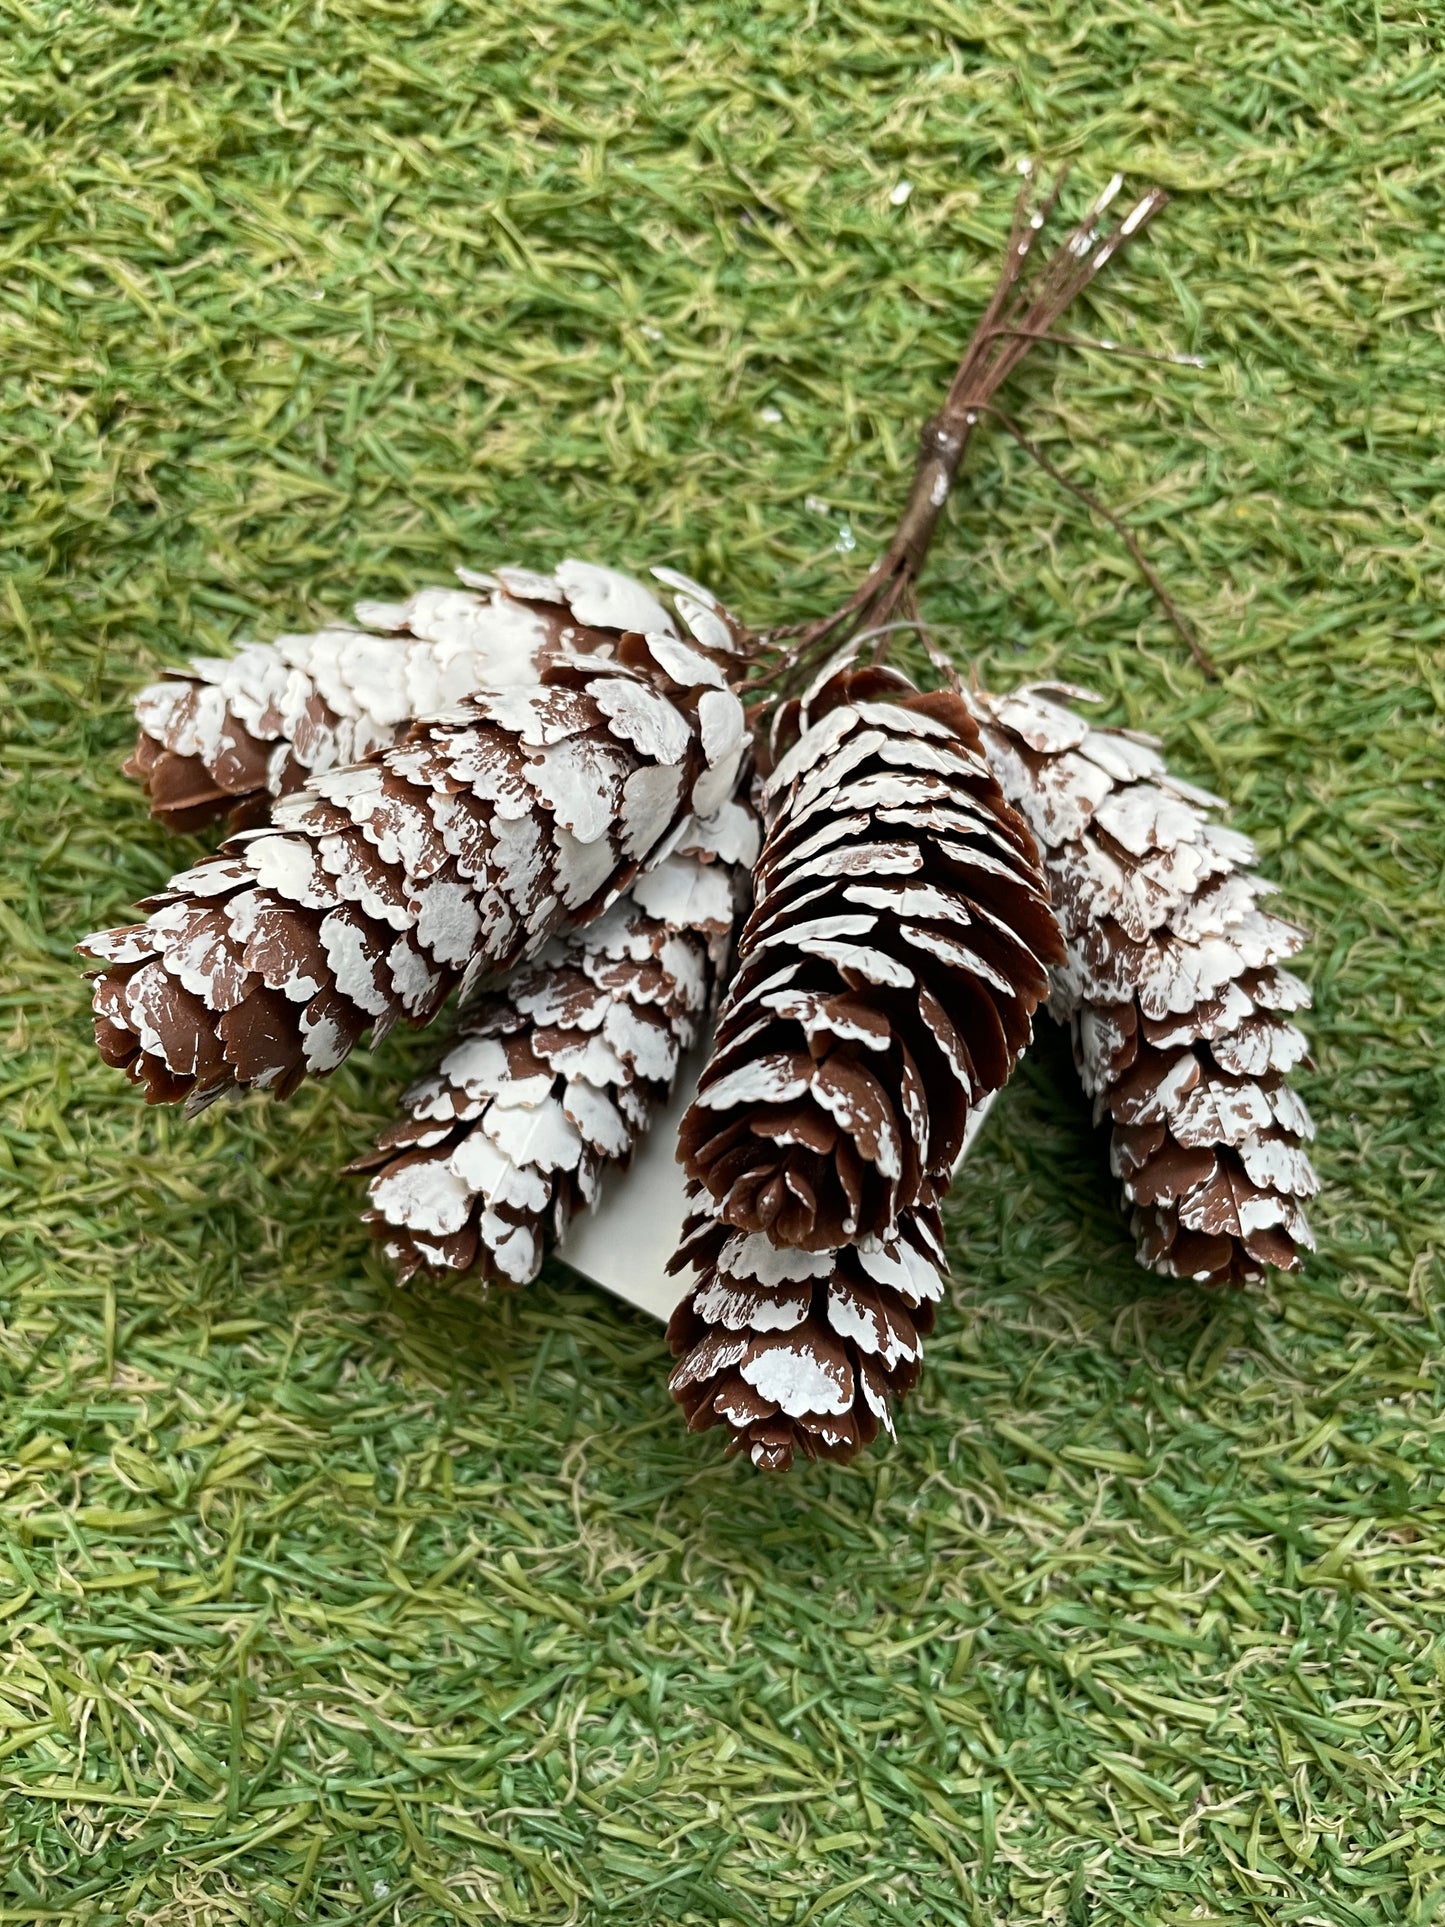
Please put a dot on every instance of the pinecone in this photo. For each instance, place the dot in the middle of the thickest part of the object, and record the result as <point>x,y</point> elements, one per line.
<point>556,1073</point>
<point>230,734</point>
<point>1173,986</point>
<point>886,984</point>
<point>887,976</point>
<point>461,849</point>
<point>799,1350</point>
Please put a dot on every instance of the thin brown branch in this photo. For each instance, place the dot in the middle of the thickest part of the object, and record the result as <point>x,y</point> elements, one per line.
<point>1125,534</point>
<point>1109,347</point>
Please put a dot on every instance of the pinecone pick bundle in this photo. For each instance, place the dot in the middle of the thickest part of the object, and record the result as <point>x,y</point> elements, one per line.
<point>535,791</point>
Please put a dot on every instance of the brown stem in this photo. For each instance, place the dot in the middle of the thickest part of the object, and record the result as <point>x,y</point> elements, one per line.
<point>1026,303</point>
<point>1121,348</point>
<point>1125,534</point>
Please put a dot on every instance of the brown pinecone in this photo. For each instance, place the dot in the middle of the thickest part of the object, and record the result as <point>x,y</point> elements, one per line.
<point>558,1071</point>
<point>887,976</point>
<point>461,849</point>
<point>227,735</point>
<point>799,1350</point>
<point>886,984</point>
<point>1173,986</point>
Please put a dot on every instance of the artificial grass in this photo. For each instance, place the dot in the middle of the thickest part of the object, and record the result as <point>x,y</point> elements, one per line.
<point>323,1602</point>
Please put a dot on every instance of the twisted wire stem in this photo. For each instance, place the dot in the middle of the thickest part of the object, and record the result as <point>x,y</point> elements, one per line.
<point>1031,295</point>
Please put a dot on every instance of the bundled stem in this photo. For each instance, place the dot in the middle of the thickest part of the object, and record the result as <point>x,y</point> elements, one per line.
<point>1030,297</point>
